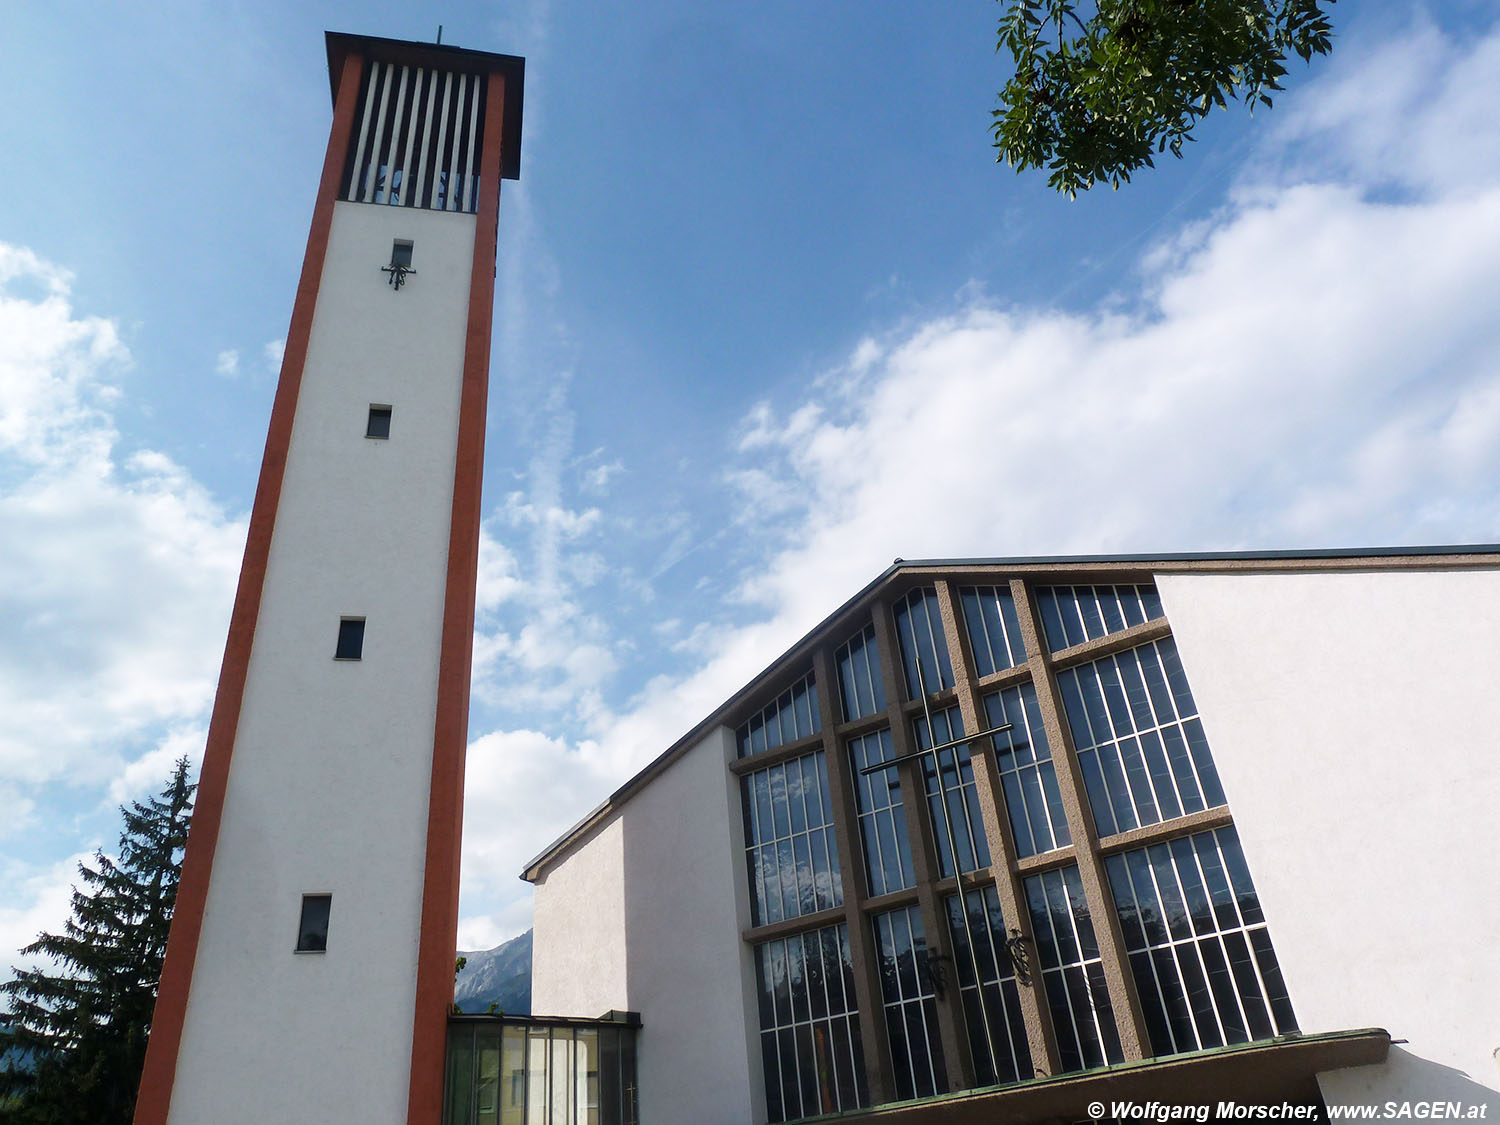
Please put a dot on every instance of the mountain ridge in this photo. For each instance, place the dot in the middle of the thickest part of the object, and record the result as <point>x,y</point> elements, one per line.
<point>498,979</point>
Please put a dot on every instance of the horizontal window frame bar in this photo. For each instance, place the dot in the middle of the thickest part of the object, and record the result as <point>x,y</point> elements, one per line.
<point>1204,820</point>
<point>1014,676</point>
<point>1157,629</point>
<point>765,759</point>
<point>787,927</point>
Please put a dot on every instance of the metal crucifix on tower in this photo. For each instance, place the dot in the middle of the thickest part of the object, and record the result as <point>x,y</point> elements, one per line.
<point>958,874</point>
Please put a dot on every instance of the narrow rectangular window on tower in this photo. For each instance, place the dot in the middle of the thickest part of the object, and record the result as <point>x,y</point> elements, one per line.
<point>401,253</point>
<point>379,424</point>
<point>312,930</point>
<point>351,639</point>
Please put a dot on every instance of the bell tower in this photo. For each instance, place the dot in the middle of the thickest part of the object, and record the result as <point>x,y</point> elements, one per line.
<point>309,972</point>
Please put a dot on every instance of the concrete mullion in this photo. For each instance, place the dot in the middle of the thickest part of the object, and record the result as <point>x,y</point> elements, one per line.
<point>1003,859</point>
<point>1129,1022</point>
<point>862,953</point>
<point>924,853</point>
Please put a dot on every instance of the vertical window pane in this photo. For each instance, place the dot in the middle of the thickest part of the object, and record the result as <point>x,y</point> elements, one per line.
<point>461,1075</point>
<point>792,715</point>
<point>312,927</point>
<point>960,813</point>
<point>1206,975</point>
<point>1074,614</point>
<point>1072,972</point>
<point>1024,759</point>
<point>791,855</point>
<point>1140,746</point>
<point>919,627</point>
<point>513,1076</point>
<point>351,642</point>
<point>860,689</point>
<point>882,823</point>
<point>991,1000</point>
<point>910,1005</point>
<point>993,627</point>
<point>810,1045</point>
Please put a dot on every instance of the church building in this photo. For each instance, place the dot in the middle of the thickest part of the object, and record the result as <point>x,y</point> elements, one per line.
<point>1000,840</point>
<point>1012,840</point>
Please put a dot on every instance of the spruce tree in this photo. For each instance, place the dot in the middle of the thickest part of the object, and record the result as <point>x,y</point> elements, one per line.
<point>76,1035</point>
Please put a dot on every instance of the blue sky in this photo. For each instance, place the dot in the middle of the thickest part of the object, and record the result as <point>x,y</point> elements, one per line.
<point>769,315</point>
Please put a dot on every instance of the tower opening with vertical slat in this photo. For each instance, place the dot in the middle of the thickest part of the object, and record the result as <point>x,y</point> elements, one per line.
<point>309,973</point>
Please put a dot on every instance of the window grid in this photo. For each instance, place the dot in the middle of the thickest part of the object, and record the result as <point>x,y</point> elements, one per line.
<point>810,1043</point>
<point>1072,971</point>
<point>1074,614</point>
<point>1010,1061</point>
<point>860,688</point>
<point>1076,972</point>
<point>910,1005</point>
<point>791,852</point>
<point>793,715</point>
<point>1140,744</point>
<point>962,811</point>
<point>1198,944</point>
<point>1028,776</point>
<point>882,815</point>
<point>919,626</point>
<point>994,630</point>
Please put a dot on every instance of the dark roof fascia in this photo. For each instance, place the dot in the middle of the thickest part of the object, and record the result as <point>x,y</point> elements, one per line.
<point>443,55</point>
<point>1164,563</point>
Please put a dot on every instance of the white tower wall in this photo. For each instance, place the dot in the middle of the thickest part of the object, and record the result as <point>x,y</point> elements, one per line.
<point>330,780</point>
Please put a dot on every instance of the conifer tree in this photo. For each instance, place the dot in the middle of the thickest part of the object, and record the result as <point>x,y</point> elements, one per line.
<point>76,1035</point>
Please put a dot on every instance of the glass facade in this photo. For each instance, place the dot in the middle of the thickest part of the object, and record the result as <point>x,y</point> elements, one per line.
<point>793,715</point>
<point>1139,741</point>
<point>961,812</point>
<point>992,999</point>
<point>790,847</point>
<point>1174,912</point>
<point>882,817</point>
<point>919,628</point>
<point>1027,774</point>
<point>1199,951</point>
<point>860,690</point>
<point>910,1005</point>
<point>519,1071</point>
<point>810,1046</point>
<point>1074,614</point>
<point>993,627</point>
<point>1072,972</point>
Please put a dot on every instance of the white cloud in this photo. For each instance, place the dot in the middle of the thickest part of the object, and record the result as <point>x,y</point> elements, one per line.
<point>116,567</point>
<point>274,351</point>
<point>228,363</point>
<point>37,900</point>
<point>1316,364</point>
<point>594,475</point>
<point>149,773</point>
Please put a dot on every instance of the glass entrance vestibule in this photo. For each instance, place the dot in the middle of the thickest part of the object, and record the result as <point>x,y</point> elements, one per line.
<point>538,1070</point>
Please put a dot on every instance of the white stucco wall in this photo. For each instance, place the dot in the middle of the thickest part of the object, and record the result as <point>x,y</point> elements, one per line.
<point>578,931</point>
<point>1355,721</point>
<point>677,958</point>
<point>329,783</point>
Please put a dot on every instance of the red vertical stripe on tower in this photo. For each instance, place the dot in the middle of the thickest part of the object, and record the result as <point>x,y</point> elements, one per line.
<point>155,1096</point>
